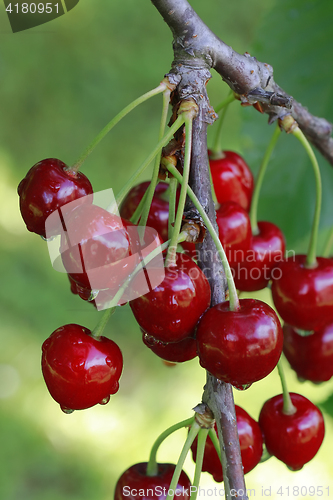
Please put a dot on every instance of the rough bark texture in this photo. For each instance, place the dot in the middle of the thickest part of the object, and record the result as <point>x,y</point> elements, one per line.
<point>251,79</point>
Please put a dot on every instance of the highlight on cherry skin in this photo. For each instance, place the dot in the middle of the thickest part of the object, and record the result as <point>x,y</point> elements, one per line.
<point>80,370</point>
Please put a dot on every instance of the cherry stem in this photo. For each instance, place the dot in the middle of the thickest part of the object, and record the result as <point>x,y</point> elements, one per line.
<point>172,205</point>
<point>328,244</point>
<point>77,165</point>
<point>130,183</point>
<point>216,149</point>
<point>137,214</point>
<point>195,427</point>
<point>154,179</point>
<point>233,297</point>
<point>311,260</point>
<point>288,407</point>
<point>230,98</point>
<point>171,256</point>
<point>216,443</point>
<point>99,328</point>
<point>152,467</point>
<point>202,437</point>
<point>259,181</point>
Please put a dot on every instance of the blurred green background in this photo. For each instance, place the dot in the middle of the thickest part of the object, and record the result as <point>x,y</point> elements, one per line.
<point>60,84</point>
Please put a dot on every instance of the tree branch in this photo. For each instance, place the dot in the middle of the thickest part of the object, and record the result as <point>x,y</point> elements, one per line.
<point>251,79</point>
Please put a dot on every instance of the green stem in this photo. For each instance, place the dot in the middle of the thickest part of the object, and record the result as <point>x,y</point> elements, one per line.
<point>152,467</point>
<point>99,328</point>
<point>216,149</point>
<point>179,467</point>
<point>202,436</point>
<point>216,443</point>
<point>230,98</point>
<point>113,122</point>
<point>260,178</point>
<point>311,255</point>
<point>328,244</point>
<point>288,407</point>
<point>233,297</point>
<point>172,204</point>
<point>137,214</point>
<point>183,192</point>
<point>154,179</point>
<point>130,183</point>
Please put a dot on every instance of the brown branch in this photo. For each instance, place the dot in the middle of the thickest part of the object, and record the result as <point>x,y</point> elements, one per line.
<point>251,79</point>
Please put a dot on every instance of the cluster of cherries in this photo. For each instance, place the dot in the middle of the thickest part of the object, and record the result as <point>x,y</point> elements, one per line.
<point>82,368</point>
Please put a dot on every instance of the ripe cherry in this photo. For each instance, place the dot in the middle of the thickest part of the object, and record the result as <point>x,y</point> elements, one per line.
<point>240,347</point>
<point>311,356</point>
<point>172,310</point>
<point>234,229</point>
<point>232,179</point>
<point>251,446</point>
<point>49,185</point>
<point>134,484</point>
<point>294,439</point>
<point>304,296</point>
<point>80,370</point>
<point>254,269</point>
<point>175,352</point>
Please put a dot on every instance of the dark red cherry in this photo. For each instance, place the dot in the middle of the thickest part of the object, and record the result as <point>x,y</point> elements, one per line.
<point>134,484</point>
<point>175,352</point>
<point>304,297</point>
<point>80,371</point>
<point>48,186</point>
<point>172,310</point>
<point>234,229</point>
<point>250,440</point>
<point>232,179</point>
<point>240,347</point>
<point>311,356</point>
<point>294,439</point>
<point>260,262</point>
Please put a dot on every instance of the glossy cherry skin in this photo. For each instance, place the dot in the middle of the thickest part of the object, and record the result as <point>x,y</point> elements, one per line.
<point>172,310</point>
<point>232,179</point>
<point>293,439</point>
<point>48,186</point>
<point>240,347</point>
<point>80,371</point>
<point>304,297</point>
<point>234,229</point>
<point>311,356</point>
<point>260,262</point>
<point>134,484</point>
<point>251,444</point>
<point>175,352</point>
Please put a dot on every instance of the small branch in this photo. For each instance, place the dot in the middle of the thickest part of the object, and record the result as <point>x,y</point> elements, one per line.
<point>251,79</point>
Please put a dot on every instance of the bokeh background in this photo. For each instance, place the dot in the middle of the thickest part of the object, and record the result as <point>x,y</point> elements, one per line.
<point>60,84</point>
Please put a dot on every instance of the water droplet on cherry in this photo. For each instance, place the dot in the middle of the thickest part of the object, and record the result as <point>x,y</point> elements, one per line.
<point>68,411</point>
<point>105,400</point>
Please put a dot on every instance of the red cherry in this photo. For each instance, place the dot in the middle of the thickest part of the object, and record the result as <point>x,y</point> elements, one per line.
<point>240,347</point>
<point>304,297</point>
<point>311,356</point>
<point>176,352</point>
<point>294,439</point>
<point>234,229</point>
<point>232,179</point>
<point>48,186</point>
<point>250,440</point>
<point>80,371</point>
<point>172,310</point>
<point>134,484</point>
<point>258,265</point>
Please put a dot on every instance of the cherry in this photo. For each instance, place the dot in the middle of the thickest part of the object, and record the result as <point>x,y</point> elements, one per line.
<point>304,296</point>
<point>240,347</point>
<point>172,310</point>
<point>80,370</point>
<point>234,229</point>
<point>232,179</point>
<point>251,445</point>
<point>134,484</point>
<point>294,439</point>
<point>159,211</point>
<point>175,352</point>
<point>254,269</point>
<point>311,356</point>
<point>48,186</point>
